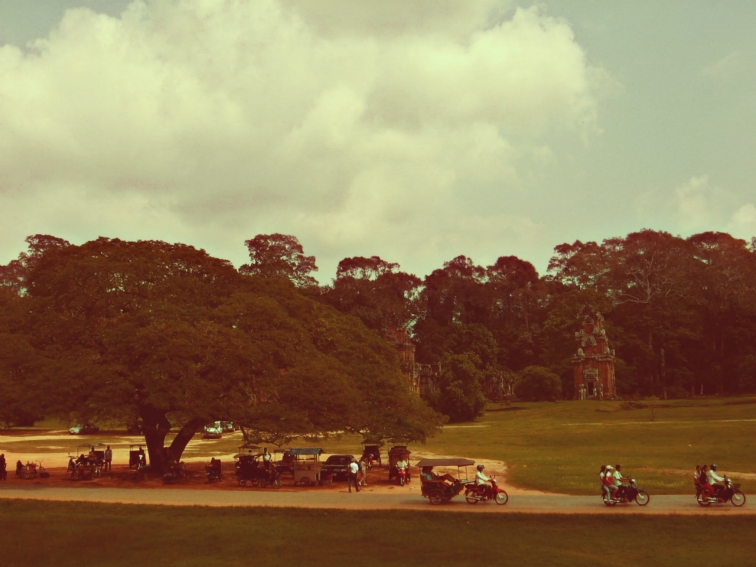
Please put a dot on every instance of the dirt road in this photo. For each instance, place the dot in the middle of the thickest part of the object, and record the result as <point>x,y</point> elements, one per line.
<point>533,504</point>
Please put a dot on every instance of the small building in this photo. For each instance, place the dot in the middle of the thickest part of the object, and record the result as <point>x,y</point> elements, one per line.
<point>593,364</point>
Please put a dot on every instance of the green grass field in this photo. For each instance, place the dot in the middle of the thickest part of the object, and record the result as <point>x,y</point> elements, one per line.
<point>560,447</point>
<point>75,534</point>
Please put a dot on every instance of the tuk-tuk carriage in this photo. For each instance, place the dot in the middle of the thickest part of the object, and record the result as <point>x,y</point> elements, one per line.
<point>371,454</point>
<point>307,465</point>
<point>252,470</point>
<point>87,465</point>
<point>399,453</point>
<point>31,470</point>
<point>444,487</point>
<point>137,456</point>
<point>284,464</point>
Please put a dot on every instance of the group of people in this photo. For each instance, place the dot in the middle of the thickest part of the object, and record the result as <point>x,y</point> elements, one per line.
<point>612,481</point>
<point>711,483</point>
<point>357,474</point>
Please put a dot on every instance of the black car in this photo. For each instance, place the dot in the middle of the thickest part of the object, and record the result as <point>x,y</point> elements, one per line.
<point>337,466</point>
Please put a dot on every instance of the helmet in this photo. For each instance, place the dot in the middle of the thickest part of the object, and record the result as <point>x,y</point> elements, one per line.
<point>609,467</point>
<point>481,467</point>
<point>713,467</point>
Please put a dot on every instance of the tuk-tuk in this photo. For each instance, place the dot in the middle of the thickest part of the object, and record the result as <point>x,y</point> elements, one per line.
<point>445,487</point>
<point>137,456</point>
<point>86,463</point>
<point>399,453</point>
<point>371,454</point>
<point>306,465</point>
<point>252,467</point>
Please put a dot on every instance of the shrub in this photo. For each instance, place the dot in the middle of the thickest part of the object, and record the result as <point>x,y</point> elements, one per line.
<point>538,384</point>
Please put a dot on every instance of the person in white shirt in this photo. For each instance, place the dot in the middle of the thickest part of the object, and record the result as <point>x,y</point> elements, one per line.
<point>352,476</point>
<point>715,480</point>
<point>481,479</point>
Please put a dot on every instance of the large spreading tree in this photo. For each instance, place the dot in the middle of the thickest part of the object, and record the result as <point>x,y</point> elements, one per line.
<point>172,336</point>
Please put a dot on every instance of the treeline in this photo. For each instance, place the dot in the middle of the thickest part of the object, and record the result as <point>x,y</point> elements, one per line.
<point>681,313</point>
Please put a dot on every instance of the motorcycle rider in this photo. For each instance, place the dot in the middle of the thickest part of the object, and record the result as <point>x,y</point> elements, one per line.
<point>481,480</point>
<point>714,480</point>
<point>619,480</point>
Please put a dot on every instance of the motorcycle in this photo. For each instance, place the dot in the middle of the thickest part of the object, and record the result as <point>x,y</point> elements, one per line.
<point>627,493</point>
<point>482,493</point>
<point>731,492</point>
<point>401,474</point>
<point>213,473</point>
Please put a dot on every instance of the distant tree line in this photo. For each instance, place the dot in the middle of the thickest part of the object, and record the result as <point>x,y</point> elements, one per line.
<point>170,335</point>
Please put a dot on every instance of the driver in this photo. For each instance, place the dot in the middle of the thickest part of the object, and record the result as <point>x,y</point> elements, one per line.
<point>715,480</point>
<point>429,476</point>
<point>401,464</point>
<point>482,480</point>
<point>619,480</point>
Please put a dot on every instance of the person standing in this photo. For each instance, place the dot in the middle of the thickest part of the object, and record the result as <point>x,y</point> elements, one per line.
<point>3,465</point>
<point>108,459</point>
<point>363,469</point>
<point>352,476</point>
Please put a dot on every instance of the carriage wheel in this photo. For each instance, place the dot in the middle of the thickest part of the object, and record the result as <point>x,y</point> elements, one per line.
<point>277,482</point>
<point>436,497</point>
<point>255,482</point>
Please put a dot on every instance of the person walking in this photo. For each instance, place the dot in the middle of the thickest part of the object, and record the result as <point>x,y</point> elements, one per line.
<point>352,476</point>
<point>108,459</point>
<point>363,469</point>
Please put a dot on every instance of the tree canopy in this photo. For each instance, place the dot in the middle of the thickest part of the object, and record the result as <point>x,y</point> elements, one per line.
<point>171,335</point>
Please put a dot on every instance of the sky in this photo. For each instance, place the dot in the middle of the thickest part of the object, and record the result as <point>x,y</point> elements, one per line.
<point>415,131</point>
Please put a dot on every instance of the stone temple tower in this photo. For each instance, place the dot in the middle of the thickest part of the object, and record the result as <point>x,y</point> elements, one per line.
<point>593,363</point>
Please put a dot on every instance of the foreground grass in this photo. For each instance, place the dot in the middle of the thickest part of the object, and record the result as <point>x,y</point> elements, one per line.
<point>63,534</point>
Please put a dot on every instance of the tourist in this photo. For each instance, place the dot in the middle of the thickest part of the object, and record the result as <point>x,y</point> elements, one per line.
<point>108,459</point>
<point>352,476</point>
<point>363,469</point>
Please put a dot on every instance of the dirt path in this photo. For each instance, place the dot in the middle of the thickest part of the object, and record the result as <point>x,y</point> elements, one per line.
<point>528,504</point>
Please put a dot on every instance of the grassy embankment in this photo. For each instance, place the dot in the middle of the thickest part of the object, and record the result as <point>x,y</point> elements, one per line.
<point>560,446</point>
<point>63,534</point>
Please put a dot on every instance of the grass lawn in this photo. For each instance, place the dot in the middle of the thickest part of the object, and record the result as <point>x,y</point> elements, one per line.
<point>62,534</point>
<point>560,446</point>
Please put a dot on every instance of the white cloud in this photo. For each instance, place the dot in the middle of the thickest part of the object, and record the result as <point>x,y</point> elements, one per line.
<point>349,126</point>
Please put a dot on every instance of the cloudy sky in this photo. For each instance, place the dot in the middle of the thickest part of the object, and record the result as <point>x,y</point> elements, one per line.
<point>416,131</point>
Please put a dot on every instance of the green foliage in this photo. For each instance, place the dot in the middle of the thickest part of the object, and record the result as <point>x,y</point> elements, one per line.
<point>459,395</point>
<point>538,384</point>
<point>168,334</point>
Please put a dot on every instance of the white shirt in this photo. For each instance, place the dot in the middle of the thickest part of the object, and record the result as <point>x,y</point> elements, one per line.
<point>353,467</point>
<point>713,477</point>
<point>480,478</point>
<point>401,464</point>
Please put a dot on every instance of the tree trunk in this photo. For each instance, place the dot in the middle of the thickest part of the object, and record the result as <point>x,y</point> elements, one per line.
<point>156,427</point>
<point>185,435</point>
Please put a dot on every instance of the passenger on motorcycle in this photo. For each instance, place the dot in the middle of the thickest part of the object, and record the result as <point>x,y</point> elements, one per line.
<point>604,487</point>
<point>481,479</point>
<point>610,482</point>
<point>703,481</point>
<point>714,479</point>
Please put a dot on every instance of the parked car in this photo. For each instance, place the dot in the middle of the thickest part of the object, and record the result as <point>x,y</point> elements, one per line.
<point>226,426</point>
<point>212,431</point>
<point>84,429</point>
<point>337,466</point>
<point>135,428</point>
